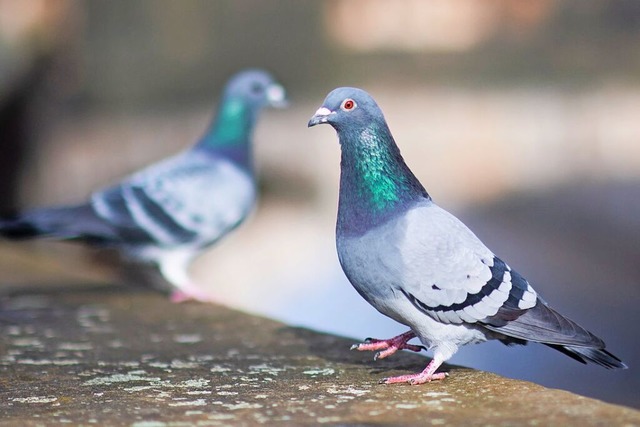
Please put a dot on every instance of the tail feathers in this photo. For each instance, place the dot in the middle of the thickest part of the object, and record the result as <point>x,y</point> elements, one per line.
<point>543,324</point>
<point>22,227</point>
<point>18,228</point>
<point>65,223</point>
<point>598,356</point>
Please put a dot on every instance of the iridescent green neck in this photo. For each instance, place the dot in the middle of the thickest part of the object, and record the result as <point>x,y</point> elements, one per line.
<point>375,183</point>
<point>373,168</point>
<point>232,125</point>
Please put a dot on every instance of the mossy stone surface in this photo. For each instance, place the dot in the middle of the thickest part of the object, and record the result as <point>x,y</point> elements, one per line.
<point>104,356</point>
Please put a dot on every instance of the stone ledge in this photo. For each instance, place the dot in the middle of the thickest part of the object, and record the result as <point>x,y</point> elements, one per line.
<point>104,356</point>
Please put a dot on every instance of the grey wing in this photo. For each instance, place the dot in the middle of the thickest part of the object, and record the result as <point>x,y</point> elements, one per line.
<point>450,274</point>
<point>466,283</point>
<point>189,198</point>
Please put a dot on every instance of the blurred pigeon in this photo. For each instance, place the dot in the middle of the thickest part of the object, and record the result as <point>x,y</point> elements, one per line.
<point>171,211</point>
<point>419,265</point>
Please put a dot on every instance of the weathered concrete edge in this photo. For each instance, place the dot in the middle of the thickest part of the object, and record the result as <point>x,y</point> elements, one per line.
<point>116,358</point>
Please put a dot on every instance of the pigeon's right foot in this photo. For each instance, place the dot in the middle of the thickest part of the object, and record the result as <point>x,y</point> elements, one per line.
<point>179,296</point>
<point>190,293</point>
<point>429,374</point>
<point>388,346</point>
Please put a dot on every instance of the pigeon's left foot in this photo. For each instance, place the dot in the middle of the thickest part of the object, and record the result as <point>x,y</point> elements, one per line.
<point>179,296</point>
<point>425,376</point>
<point>389,346</point>
<point>190,293</point>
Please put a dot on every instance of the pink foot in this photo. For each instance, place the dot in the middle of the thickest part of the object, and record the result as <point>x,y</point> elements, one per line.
<point>389,346</point>
<point>425,376</point>
<point>179,296</point>
<point>190,293</point>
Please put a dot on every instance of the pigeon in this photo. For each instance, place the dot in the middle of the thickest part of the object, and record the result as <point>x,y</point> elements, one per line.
<point>171,211</point>
<point>419,265</point>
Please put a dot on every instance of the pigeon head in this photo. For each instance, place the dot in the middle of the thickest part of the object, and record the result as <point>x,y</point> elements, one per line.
<point>245,95</point>
<point>256,88</point>
<point>348,108</point>
<point>375,182</point>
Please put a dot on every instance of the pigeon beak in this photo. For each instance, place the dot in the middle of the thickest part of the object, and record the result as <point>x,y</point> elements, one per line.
<point>321,116</point>
<point>276,96</point>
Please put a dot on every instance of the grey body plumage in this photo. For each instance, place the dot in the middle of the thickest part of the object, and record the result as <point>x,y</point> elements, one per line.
<point>169,212</point>
<point>421,266</point>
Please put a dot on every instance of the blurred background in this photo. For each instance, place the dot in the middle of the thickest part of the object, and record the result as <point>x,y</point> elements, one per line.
<point>522,118</point>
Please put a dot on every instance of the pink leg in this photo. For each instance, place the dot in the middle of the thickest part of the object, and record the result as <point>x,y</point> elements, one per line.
<point>389,346</point>
<point>178,296</point>
<point>190,292</point>
<point>425,376</point>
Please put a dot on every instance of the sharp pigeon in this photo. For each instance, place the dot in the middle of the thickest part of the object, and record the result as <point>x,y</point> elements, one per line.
<point>171,211</point>
<point>419,265</point>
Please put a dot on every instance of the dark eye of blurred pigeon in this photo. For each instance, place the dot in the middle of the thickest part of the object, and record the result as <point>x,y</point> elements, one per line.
<point>257,89</point>
<point>418,264</point>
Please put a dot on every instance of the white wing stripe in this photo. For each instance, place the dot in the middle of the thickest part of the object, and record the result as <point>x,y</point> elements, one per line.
<point>144,220</point>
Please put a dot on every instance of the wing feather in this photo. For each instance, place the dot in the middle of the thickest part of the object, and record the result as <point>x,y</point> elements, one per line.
<point>451,275</point>
<point>468,284</point>
<point>189,198</point>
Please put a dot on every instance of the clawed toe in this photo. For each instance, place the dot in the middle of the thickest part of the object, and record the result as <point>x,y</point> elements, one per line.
<point>424,379</point>
<point>425,376</point>
<point>386,353</point>
<point>416,348</point>
<point>388,346</point>
<point>415,379</point>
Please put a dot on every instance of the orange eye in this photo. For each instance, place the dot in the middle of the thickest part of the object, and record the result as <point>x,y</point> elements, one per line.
<point>348,104</point>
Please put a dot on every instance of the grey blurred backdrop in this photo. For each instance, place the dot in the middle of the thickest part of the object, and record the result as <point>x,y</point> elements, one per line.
<point>522,118</point>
